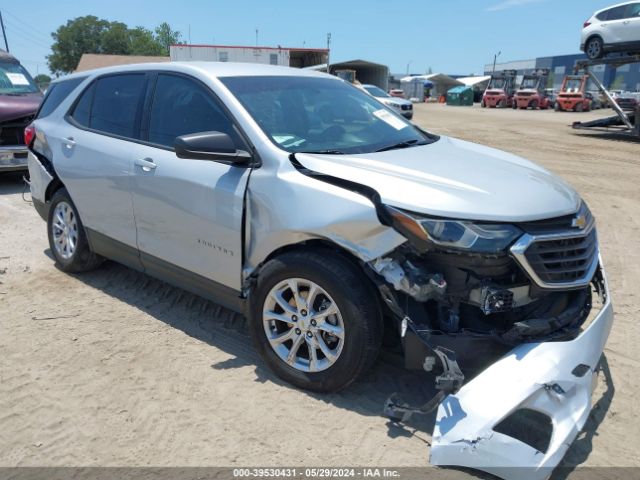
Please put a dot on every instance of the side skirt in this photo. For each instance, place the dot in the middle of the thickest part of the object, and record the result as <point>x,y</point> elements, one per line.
<point>165,271</point>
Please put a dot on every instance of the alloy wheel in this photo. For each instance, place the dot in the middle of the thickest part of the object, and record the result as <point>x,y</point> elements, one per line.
<point>303,325</point>
<point>64,230</point>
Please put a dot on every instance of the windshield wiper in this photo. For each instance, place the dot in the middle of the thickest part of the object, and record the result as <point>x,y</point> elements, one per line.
<point>324,152</point>
<point>405,144</point>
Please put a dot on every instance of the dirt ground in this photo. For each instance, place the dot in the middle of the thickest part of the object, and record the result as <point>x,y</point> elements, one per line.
<point>115,368</point>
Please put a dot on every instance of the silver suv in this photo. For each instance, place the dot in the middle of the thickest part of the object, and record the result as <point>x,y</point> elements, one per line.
<point>332,222</point>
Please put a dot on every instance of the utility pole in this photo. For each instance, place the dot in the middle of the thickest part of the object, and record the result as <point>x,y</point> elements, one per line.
<point>257,31</point>
<point>408,66</point>
<point>328,52</point>
<point>495,59</point>
<point>4,33</point>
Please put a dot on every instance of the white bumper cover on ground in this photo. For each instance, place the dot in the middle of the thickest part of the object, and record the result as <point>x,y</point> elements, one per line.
<point>536,376</point>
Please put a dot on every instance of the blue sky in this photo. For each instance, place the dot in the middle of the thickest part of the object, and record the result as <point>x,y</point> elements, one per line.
<point>450,36</point>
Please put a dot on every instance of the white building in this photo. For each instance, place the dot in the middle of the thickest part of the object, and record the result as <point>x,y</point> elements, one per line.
<point>288,57</point>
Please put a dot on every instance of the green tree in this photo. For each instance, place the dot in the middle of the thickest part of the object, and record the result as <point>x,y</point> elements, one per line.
<point>115,39</point>
<point>142,42</point>
<point>42,81</point>
<point>166,37</point>
<point>90,34</point>
<point>78,36</point>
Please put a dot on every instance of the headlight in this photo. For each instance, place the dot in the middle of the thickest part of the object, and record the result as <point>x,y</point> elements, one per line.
<point>455,234</point>
<point>394,105</point>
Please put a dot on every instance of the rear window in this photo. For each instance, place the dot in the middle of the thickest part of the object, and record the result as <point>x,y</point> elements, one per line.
<point>56,94</point>
<point>110,104</point>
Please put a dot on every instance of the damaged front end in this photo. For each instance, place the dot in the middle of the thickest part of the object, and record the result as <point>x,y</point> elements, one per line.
<point>504,317</point>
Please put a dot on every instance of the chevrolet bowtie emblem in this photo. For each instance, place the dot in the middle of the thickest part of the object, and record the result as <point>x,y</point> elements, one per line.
<point>579,222</point>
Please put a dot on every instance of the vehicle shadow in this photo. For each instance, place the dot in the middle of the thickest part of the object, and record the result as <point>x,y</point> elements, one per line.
<point>583,445</point>
<point>611,136</point>
<point>227,331</point>
<point>12,183</point>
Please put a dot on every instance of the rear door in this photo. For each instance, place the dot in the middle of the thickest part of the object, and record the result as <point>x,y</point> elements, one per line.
<point>94,154</point>
<point>189,213</point>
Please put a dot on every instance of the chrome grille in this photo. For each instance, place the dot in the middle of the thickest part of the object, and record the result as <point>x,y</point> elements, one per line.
<point>565,260</point>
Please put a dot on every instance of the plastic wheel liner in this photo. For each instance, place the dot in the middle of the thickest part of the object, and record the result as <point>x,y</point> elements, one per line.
<point>555,380</point>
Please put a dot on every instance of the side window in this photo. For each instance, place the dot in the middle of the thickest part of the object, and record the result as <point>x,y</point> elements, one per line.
<point>56,94</point>
<point>617,13</point>
<point>182,106</point>
<point>115,104</point>
<point>633,10</point>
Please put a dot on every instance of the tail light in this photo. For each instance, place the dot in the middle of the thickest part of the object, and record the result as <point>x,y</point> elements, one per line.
<point>586,24</point>
<point>29,135</point>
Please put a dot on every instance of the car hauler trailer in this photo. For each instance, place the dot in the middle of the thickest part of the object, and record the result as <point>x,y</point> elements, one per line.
<point>623,122</point>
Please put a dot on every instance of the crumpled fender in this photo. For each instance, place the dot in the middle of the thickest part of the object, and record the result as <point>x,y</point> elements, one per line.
<point>539,376</point>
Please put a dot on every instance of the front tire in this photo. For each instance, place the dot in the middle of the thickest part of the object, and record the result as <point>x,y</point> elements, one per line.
<point>67,238</point>
<point>315,320</point>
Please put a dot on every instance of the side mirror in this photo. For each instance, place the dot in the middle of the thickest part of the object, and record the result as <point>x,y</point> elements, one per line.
<point>215,146</point>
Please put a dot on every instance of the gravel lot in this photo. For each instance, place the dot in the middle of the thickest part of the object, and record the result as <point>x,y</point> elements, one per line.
<point>115,368</point>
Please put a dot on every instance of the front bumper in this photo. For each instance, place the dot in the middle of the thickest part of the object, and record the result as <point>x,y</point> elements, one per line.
<point>552,378</point>
<point>13,158</point>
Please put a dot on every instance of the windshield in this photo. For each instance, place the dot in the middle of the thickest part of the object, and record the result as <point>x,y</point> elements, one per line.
<point>529,83</point>
<point>573,85</point>
<point>497,83</point>
<point>322,115</point>
<point>15,80</point>
<point>377,92</point>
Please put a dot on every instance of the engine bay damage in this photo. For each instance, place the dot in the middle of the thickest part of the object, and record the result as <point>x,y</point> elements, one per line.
<point>465,317</point>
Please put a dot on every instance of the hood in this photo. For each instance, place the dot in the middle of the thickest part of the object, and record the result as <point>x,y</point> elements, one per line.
<point>18,106</point>
<point>455,179</point>
<point>396,100</point>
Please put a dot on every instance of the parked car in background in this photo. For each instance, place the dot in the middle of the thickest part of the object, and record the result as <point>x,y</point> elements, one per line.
<point>613,29</point>
<point>19,101</point>
<point>400,105</point>
<point>596,100</point>
<point>397,93</point>
<point>628,100</point>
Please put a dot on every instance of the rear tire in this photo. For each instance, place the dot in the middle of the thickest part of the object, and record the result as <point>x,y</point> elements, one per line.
<point>340,286</point>
<point>67,238</point>
<point>557,107</point>
<point>534,105</point>
<point>594,48</point>
<point>579,108</point>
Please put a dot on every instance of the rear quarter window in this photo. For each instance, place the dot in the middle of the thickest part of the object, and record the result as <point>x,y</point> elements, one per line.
<point>56,94</point>
<point>111,105</point>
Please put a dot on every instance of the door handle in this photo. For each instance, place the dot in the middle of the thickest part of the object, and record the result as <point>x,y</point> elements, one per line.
<point>146,164</point>
<point>69,142</point>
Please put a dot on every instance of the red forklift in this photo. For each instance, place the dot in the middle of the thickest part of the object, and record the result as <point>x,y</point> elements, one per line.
<point>532,92</point>
<point>573,94</point>
<point>499,93</point>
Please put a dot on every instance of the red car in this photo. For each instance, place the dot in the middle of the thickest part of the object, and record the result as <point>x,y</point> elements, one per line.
<point>19,101</point>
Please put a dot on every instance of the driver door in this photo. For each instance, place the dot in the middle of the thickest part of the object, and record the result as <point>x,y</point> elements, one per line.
<point>188,213</point>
